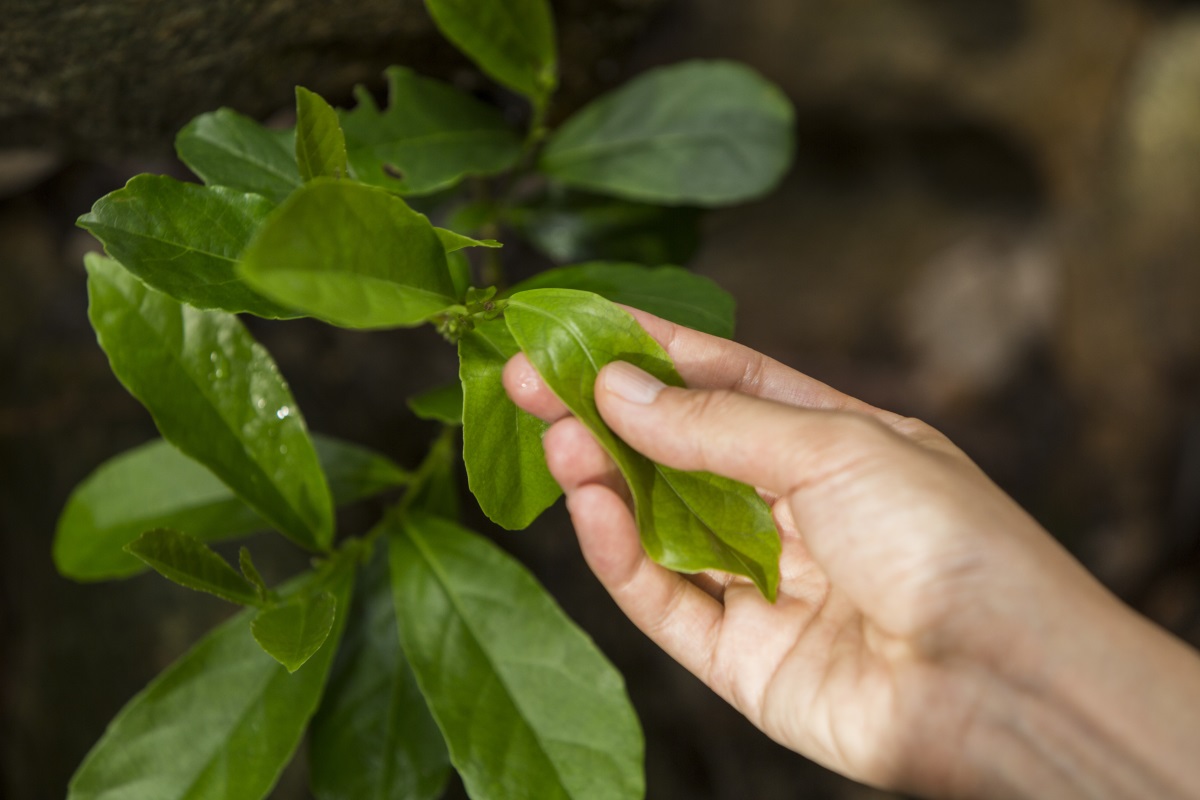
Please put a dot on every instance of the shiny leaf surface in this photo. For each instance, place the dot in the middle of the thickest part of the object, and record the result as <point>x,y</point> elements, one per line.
<point>688,522</point>
<point>352,255</point>
<point>502,445</point>
<point>219,723</point>
<point>527,705</point>
<point>706,133</point>
<point>156,486</point>
<point>184,239</point>
<point>430,137</point>
<point>668,292</point>
<point>226,148</point>
<point>215,394</point>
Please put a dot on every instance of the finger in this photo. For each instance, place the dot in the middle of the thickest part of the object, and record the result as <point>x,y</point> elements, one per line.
<point>710,362</point>
<point>527,389</point>
<point>756,441</point>
<point>859,493</point>
<point>677,615</point>
<point>576,459</point>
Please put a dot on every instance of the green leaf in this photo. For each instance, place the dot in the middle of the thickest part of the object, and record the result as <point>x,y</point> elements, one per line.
<point>510,40</point>
<point>502,445</point>
<point>184,239</point>
<point>220,723</point>
<point>436,488</point>
<point>453,242</point>
<point>527,705</point>
<point>351,255</point>
<point>443,404</point>
<point>189,562</point>
<point>460,273</point>
<point>251,573</point>
<point>430,138</point>
<point>293,631</point>
<point>217,395</point>
<point>373,736</point>
<point>688,522</point>
<point>320,145</point>
<point>151,486</point>
<point>227,149</point>
<point>156,486</point>
<point>708,133</point>
<point>571,227</point>
<point>668,292</point>
<point>356,472</point>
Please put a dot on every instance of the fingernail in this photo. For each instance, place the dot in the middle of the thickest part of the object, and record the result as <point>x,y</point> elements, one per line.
<point>632,384</point>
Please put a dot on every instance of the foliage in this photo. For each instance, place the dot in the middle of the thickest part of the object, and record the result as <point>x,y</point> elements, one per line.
<point>449,654</point>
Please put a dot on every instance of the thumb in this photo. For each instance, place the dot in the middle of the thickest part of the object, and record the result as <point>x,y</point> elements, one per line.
<point>761,442</point>
<point>867,502</point>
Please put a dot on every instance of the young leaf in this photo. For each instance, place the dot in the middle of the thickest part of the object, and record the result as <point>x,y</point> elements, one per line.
<point>527,704</point>
<point>293,631</point>
<point>570,227</point>
<point>156,486</point>
<point>443,404</point>
<point>189,562</point>
<point>510,40</point>
<point>502,445</point>
<point>688,521</point>
<point>227,149</point>
<point>352,255</point>
<point>184,239</point>
<point>221,722</point>
<point>215,394</point>
<point>707,133</point>
<point>320,145</point>
<point>668,292</point>
<point>251,573</point>
<point>453,242</point>
<point>373,736</point>
<point>430,138</point>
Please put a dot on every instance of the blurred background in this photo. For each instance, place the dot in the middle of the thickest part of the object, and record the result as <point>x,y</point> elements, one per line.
<point>992,224</point>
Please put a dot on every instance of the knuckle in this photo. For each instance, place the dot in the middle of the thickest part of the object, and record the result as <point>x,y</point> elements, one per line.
<point>915,429</point>
<point>704,407</point>
<point>846,444</point>
<point>850,429</point>
<point>753,373</point>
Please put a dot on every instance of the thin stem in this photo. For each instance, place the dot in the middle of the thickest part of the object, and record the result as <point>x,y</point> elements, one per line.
<point>438,453</point>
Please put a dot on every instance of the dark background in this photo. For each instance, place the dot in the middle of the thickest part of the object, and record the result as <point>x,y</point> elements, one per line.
<point>992,224</point>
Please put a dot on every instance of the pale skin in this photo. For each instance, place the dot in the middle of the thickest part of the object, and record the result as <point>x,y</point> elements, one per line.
<point>929,636</point>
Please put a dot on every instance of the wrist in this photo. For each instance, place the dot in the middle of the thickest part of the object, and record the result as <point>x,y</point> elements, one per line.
<point>1110,710</point>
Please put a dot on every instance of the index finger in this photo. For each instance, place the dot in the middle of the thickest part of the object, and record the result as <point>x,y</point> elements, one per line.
<point>704,362</point>
<point>710,362</point>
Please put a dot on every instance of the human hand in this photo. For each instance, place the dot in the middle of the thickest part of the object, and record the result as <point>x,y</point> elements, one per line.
<point>928,636</point>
